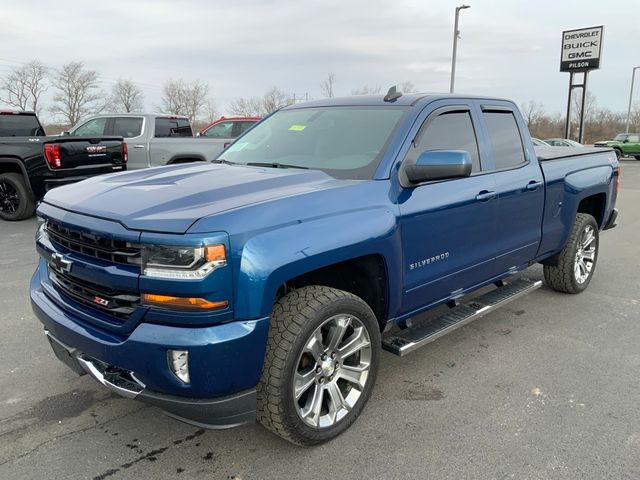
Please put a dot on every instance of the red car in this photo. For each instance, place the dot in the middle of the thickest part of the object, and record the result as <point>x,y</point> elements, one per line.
<point>229,127</point>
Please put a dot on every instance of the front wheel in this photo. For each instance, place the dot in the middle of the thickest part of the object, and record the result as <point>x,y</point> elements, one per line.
<point>637,157</point>
<point>321,364</point>
<point>573,269</point>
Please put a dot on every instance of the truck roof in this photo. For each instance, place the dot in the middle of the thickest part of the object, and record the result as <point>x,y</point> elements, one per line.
<point>408,99</point>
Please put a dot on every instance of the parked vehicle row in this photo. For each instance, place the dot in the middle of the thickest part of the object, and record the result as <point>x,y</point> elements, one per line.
<point>164,139</point>
<point>264,285</point>
<point>31,163</point>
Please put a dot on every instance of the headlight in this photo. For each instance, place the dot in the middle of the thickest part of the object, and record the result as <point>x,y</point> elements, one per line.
<point>182,262</point>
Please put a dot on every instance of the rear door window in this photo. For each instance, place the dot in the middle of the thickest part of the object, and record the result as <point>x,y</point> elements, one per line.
<point>127,127</point>
<point>506,142</point>
<point>91,128</point>
<point>173,127</point>
<point>242,126</point>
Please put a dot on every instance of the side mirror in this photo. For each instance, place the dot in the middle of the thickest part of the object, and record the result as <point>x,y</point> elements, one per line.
<point>65,133</point>
<point>626,140</point>
<point>439,165</point>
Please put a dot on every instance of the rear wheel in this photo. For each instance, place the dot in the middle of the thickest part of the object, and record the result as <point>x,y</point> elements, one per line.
<point>576,262</point>
<point>637,157</point>
<point>16,202</point>
<point>321,364</point>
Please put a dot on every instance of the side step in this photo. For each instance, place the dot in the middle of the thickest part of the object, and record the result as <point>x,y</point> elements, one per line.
<point>405,341</point>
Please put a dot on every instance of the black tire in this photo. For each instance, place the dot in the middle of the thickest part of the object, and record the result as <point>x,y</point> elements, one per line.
<point>618,153</point>
<point>295,318</point>
<point>561,275</point>
<point>637,157</point>
<point>16,202</point>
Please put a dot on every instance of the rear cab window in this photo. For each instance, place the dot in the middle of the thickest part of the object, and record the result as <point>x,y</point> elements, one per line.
<point>19,125</point>
<point>172,127</point>
<point>505,138</point>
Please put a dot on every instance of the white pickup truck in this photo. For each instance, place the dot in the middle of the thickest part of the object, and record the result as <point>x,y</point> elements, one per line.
<point>153,139</point>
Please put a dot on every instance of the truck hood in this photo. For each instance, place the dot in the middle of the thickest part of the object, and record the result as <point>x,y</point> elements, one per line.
<point>170,199</point>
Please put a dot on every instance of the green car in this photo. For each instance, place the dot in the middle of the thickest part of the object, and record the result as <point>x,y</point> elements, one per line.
<point>625,144</point>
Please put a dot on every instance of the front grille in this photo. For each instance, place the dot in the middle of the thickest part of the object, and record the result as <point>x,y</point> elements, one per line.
<point>103,248</point>
<point>112,302</point>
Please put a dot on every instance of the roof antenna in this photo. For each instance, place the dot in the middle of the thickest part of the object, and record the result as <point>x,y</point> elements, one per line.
<point>392,95</point>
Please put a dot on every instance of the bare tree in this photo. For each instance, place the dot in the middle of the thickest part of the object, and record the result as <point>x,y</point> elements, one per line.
<point>182,98</point>
<point>23,87</point>
<point>366,90</point>
<point>408,87</point>
<point>326,86</point>
<point>274,99</point>
<point>211,111</point>
<point>532,112</point>
<point>77,92</point>
<point>246,107</point>
<point>126,96</point>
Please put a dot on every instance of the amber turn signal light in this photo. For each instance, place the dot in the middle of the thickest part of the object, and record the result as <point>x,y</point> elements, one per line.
<point>215,253</point>
<point>189,303</point>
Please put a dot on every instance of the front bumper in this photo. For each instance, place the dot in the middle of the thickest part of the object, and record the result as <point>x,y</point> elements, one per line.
<point>225,360</point>
<point>222,412</point>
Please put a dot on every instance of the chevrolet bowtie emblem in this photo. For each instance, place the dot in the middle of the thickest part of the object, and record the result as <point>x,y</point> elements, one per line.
<point>59,263</point>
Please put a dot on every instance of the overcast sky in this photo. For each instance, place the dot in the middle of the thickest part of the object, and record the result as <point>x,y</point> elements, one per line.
<point>508,48</point>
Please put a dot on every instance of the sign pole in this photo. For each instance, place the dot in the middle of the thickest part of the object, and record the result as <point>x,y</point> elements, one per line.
<point>567,122</point>
<point>584,101</point>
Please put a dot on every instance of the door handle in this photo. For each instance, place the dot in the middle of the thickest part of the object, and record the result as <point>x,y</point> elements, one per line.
<point>485,195</point>
<point>138,146</point>
<point>533,185</point>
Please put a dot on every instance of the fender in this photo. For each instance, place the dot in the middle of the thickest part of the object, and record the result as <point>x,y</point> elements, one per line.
<point>270,259</point>
<point>562,203</point>
<point>14,161</point>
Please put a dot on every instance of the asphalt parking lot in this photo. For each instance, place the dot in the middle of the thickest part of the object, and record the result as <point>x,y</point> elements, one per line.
<point>546,388</point>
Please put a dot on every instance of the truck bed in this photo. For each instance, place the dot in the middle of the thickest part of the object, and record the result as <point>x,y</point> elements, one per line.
<point>545,154</point>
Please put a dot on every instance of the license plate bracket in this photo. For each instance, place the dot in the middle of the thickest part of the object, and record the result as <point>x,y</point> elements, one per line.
<point>65,354</point>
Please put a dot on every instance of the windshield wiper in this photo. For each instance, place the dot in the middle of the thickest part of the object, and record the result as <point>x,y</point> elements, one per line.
<point>275,165</point>
<point>222,160</point>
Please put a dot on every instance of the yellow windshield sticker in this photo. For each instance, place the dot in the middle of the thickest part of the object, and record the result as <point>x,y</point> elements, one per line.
<point>297,128</point>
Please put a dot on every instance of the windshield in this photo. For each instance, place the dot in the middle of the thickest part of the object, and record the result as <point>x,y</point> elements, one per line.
<point>345,142</point>
<point>621,137</point>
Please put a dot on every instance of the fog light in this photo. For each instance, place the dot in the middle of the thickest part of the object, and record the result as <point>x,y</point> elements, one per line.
<point>179,364</point>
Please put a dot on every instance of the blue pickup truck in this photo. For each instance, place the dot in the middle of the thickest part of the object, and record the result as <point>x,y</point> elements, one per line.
<point>264,285</point>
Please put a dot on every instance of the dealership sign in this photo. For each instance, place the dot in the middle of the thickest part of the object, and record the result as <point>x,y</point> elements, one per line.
<point>581,49</point>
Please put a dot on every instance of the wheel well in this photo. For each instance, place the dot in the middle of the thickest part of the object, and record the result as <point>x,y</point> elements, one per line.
<point>10,167</point>
<point>594,206</point>
<point>365,277</point>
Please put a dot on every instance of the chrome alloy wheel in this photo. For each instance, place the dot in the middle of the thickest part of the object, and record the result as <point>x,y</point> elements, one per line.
<point>585,255</point>
<point>332,371</point>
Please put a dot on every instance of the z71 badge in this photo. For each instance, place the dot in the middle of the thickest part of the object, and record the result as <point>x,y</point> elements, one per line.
<point>428,261</point>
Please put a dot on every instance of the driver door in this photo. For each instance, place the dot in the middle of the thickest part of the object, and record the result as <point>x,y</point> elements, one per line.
<point>448,226</point>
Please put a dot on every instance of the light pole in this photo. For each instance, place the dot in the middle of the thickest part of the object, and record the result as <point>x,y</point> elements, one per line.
<point>456,32</point>
<point>633,74</point>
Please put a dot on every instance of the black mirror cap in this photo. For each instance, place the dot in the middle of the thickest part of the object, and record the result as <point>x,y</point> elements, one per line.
<point>436,165</point>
